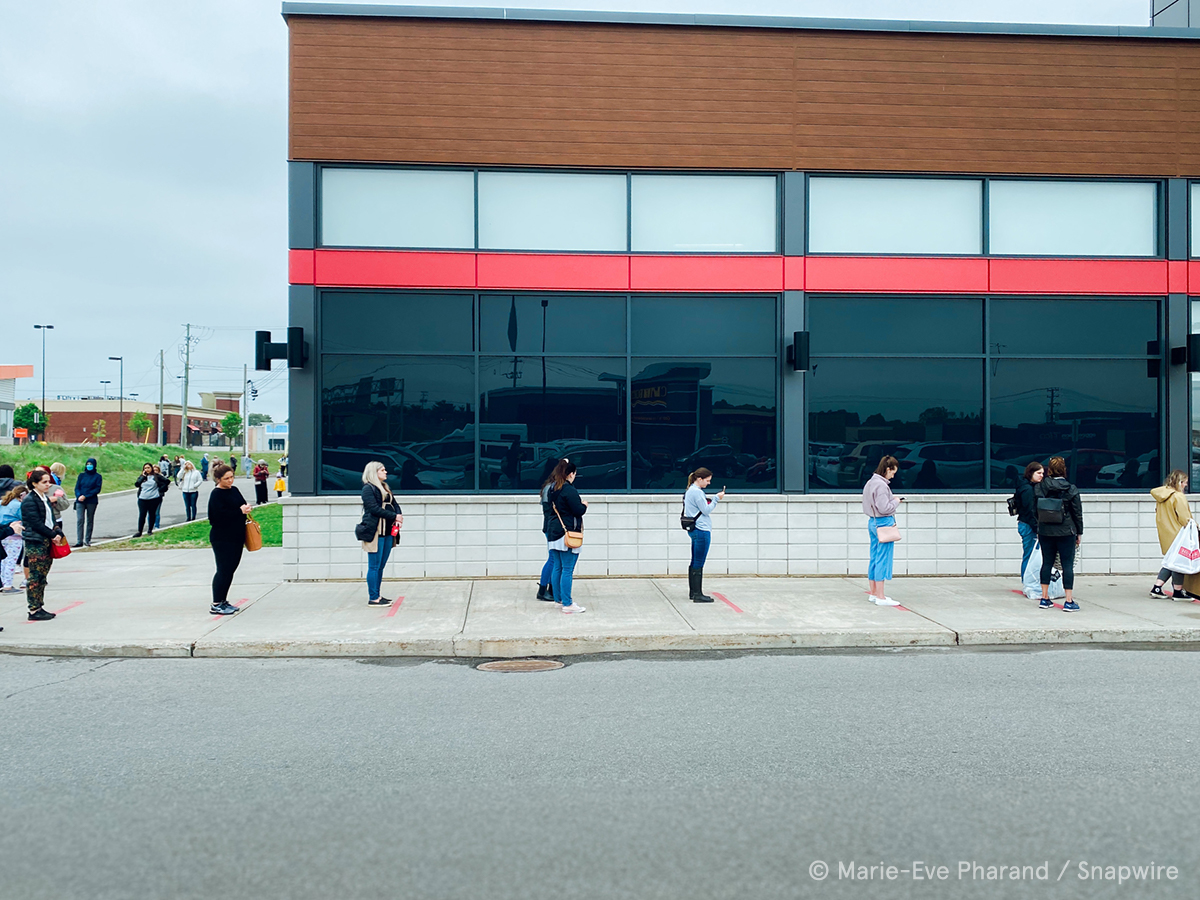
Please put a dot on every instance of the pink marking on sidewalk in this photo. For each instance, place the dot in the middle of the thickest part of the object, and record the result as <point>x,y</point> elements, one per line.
<point>59,612</point>
<point>392,609</point>
<point>726,601</point>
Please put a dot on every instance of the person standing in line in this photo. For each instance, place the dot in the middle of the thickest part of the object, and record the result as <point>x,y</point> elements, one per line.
<point>13,545</point>
<point>381,518</point>
<point>164,466</point>
<point>8,480</point>
<point>150,487</point>
<point>280,483</point>
<point>698,504</point>
<point>58,497</point>
<point>283,465</point>
<point>880,506</point>
<point>545,588</point>
<point>1060,529</point>
<point>1027,524</point>
<point>87,495</point>
<point>227,510</point>
<point>247,464</point>
<point>261,473</point>
<point>1171,513</point>
<point>204,467</point>
<point>569,509</point>
<point>189,484</point>
<point>42,528</point>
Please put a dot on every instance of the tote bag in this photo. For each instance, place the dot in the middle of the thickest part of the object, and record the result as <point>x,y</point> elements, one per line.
<point>1183,555</point>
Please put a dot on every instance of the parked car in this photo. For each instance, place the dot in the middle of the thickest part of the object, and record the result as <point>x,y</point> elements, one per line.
<point>1136,472</point>
<point>940,464</point>
<point>342,468</point>
<point>823,460</point>
<point>720,458</point>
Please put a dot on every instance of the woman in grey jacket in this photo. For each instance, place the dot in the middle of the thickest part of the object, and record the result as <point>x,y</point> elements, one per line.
<point>880,506</point>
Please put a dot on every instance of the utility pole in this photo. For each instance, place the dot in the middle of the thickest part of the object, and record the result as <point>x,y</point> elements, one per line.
<point>184,436</point>
<point>245,414</point>
<point>121,401</point>
<point>162,428</point>
<point>43,329</point>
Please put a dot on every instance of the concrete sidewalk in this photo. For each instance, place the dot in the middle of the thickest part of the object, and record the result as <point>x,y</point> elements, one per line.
<point>155,603</point>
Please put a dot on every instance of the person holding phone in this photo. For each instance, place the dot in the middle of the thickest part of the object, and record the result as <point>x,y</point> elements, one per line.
<point>698,505</point>
<point>227,510</point>
<point>880,505</point>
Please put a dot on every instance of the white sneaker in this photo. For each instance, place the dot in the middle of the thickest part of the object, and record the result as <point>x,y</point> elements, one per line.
<point>886,601</point>
<point>573,608</point>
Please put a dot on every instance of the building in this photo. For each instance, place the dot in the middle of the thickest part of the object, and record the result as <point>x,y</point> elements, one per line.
<point>614,237</point>
<point>271,437</point>
<point>73,421</point>
<point>8,397</point>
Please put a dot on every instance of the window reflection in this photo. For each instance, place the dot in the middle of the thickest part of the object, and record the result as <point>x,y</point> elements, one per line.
<point>1101,416</point>
<point>718,413</point>
<point>390,322</point>
<point>927,413</point>
<point>551,324</point>
<point>413,414</point>
<point>1053,327</point>
<point>891,325</point>
<point>535,410</point>
<point>686,326</point>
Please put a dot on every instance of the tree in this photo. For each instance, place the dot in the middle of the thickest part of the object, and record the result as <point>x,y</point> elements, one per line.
<point>99,429</point>
<point>30,418</point>
<point>231,425</point>
<point>139,423</point>
<point>258,419</point>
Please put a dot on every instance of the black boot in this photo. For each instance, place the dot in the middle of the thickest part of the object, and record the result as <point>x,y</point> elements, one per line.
<point>545,592</point>
<point>696,586</point>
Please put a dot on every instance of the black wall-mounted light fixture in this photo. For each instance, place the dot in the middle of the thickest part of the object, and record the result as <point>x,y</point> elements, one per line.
<point>294,350</point>
<point>797,351</point>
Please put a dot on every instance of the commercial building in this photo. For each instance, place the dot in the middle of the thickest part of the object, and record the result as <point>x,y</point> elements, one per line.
<point>778,248</point>
<point>8,397</point>
<point>74,421</point>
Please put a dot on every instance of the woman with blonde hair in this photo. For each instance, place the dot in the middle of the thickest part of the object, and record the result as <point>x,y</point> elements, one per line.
<point>1171,513</point>
<point>379,528</point>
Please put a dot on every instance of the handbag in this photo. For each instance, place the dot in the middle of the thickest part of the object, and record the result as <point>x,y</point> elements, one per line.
<point>253,538</point>
<point>58,551</point>
<point>887,534</point>
<point>573,539</point>
<point>686,522</point>
<point>364,532</point>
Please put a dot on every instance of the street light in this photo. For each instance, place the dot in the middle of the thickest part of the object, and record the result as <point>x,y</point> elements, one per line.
<point>106,384</point>
<point>43,329</point>
<point>121,402</point>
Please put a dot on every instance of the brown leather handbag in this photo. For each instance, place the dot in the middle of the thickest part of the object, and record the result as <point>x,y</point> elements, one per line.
<point>573,539</point>
<point>253,539</point>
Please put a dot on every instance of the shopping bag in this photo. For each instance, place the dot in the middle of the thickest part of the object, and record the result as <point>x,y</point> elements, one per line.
<point>1183,556</point>
<point>1031,578</point>
<point>253,535</point>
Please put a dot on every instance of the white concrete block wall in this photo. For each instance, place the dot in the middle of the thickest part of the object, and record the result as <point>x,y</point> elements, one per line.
<point>500,536</point>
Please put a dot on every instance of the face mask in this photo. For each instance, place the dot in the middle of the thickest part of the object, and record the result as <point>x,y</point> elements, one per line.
<point>90,467</point>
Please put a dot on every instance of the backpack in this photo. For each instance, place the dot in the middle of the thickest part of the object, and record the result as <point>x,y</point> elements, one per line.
<point>1050,510</point>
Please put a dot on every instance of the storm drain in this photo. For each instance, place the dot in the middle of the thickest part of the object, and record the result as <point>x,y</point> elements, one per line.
<point>520,665</point>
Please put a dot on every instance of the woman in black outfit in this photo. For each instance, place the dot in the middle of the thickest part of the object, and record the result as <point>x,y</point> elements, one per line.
<point>381,517</point>
<point>42,528</point>
<point>1060,529</point>
<point>568,509</point>
<point>227,510</point>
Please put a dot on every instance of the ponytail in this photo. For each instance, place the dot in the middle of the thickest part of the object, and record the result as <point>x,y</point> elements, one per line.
<point>562,471</point>
<point>698,474</point>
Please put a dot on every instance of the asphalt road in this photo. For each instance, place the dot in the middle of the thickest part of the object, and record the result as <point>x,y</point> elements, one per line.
<point>611,778</point>
<point>117,514</point>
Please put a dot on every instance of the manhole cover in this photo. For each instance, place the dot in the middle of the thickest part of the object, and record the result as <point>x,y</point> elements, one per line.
<point>521,665</point>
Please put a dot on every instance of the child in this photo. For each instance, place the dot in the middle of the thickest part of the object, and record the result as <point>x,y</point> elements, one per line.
<point>10,511</point>
<point>280,483</point>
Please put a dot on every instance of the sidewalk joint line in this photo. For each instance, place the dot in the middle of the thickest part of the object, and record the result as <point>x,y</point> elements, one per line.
<point>671,605</point>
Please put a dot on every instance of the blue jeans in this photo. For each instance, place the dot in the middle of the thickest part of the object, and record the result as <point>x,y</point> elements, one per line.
<point>562,574</point>
<point>1028,542</point>
<point>547,570</point>
<point>880,568</point>
<point>701,541</point>
<point>375,563</point>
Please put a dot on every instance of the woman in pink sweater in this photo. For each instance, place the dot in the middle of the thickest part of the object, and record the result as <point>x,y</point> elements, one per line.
<point>880,505</point>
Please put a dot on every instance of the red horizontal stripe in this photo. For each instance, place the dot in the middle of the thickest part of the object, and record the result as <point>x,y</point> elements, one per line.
<point>858,274</point>
<point>552,271</point>
<point>1193,281</point>
<point>898,274</point>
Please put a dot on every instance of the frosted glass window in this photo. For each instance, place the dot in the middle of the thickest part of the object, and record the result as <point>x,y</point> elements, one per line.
<point>704,213</point>
<point>1195,219</point>
<point>397,208</point>
<point>551,211</point>
<point>895,215</point>
<point>1073,218</point>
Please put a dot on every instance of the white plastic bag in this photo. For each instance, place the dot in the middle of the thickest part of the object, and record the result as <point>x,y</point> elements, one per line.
<point>1183,555</point>
<point>1031,578</point>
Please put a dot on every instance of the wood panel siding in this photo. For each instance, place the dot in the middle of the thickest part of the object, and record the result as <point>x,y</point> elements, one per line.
<point>479,92</point>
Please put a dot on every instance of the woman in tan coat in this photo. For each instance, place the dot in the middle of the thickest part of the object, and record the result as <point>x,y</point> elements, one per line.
<point>1171,512</point>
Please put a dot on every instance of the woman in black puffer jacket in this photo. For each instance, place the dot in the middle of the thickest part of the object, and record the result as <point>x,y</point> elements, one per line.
<point>1060,529</point>
<point>381,516</point>
<point>568,509</point>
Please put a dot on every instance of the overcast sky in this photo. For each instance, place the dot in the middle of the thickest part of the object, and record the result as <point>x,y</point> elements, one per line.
<point>143,182</point>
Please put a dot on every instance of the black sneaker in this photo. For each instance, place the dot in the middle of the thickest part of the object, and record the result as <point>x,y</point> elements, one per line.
<point>1157,591</point>
<point>40,615</point>
<point>1046,604</point>
<point>379,601</point>
<point>1070,606</point>
<point>222,609</point>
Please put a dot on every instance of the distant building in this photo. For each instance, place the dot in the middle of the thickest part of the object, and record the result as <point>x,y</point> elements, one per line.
<point>272,436</point>
<point>8,395</point>
<point>73,421</point>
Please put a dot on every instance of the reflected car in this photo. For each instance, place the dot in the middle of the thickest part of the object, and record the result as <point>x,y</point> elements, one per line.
<point>598,464</point>
<point>342,468</point>
<point>1143,473</point>
<point>856,466</point>
<point>720,458</point>
<point>823,461</point>
<point>940,464</point>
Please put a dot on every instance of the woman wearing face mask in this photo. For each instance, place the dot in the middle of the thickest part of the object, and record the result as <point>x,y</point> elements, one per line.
<point>42,528</point>
<point>227,510</point>
<point>87,496</point>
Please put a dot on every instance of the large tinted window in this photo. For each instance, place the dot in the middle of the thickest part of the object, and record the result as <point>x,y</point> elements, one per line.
<point>1072,218</point>
<point>704,213</point>
<point>551,324</point>
<point>717,413</point>
<point>390,322</point>
<point>397,208</point>
<point>895,215</point>
<point>928,413</point>
<point>394,411</point>
<point>534,410</point>
<point>1101,416</point>
<point>552,211</point>
<point>1054,327</point>
<point>730,326</point>
<point>888,325</point>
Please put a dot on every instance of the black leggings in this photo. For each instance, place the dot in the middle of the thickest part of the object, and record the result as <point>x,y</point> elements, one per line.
<point>229,556</point>
<point>1065,547</point>
<point>147,508</point>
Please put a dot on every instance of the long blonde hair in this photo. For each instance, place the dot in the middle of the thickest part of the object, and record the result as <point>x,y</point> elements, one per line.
<point>1176,479</point>
<point>19,490</point>
<point>371,476</point>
